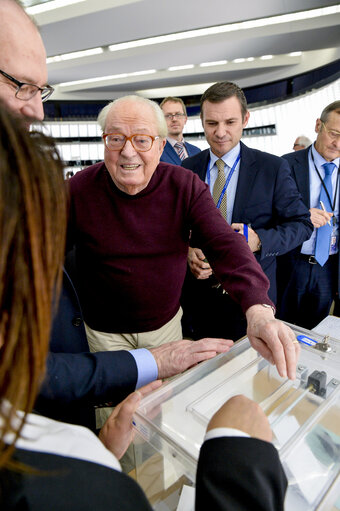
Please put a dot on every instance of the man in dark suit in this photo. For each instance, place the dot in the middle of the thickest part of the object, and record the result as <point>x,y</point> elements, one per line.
<point>255,193</point>
<point>309,280</point>
<point>176,149</point>
<point>76,379</point>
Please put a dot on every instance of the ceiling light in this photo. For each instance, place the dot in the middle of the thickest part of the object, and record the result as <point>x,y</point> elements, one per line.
<point>266,57</point>
<point>250,59</point>
<point>216,63</point>
<point>74,55</point>
<point>295,54</point>
<point>239,61</point>
<point>179,68</point>
<point>231,27</point>
<point>49,6</point>
<point>110,77</point>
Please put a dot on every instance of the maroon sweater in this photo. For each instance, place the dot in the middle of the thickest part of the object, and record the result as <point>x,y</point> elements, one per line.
<point>131,250</point>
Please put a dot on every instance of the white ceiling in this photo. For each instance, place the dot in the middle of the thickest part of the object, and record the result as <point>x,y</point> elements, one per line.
<point>99,23</point>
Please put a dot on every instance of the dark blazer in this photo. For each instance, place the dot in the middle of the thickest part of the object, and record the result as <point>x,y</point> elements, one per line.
<point>298,162</point>
<point>239,474</point>
<point>76,379</point>
<point>267,198</point>
<point>169,154</point>
<point>234,474</point>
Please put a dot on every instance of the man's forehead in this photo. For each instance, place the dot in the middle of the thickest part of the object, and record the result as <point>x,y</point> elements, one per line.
<point>173,105</point>
<point>229,108</point>
<point>130,113</point>
<point>22,50</point>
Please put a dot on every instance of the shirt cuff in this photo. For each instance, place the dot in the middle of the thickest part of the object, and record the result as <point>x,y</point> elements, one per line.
<point>220,432</point>
<point>147,368</point>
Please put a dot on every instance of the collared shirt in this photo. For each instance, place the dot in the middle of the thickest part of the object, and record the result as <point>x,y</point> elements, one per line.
<point>173,141</point>
<point>229,159</point>
<point>308,246</point>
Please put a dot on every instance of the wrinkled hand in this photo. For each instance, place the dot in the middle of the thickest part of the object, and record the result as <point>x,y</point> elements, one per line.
<point>199,267</point>
<point>319,217</point>
<point>177,356</point>
<point>242,413</point>
<point>117,432</point>
<point>273,340</point>
<point>253,239</point>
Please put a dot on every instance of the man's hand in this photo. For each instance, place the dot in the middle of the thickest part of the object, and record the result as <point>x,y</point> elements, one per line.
<point>242,413</point>
<point>319,217</point>
<point>177,356</point>
<point>117,432</point>
<point>253,239</point>
<point>198,264</point>
<point>274,340</point>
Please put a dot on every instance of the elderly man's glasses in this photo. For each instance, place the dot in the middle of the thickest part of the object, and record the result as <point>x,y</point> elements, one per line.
<point>26,91</point>
<point>333,135</point>
<point>116,141</point>
<point>174,116</point>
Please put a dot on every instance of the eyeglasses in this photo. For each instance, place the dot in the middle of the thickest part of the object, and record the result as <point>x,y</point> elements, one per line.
<point>27,91</point>
<point>116,141</point>
<point>333,135</point>
<point>173,116</point>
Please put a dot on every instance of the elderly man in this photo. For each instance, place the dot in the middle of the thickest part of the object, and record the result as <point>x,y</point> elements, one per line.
<point>255,193</point>
<point>309,274</point>
<point>131,219</point>
<point>76,379</point>
<point>176,149</point>
<point>301,143</point>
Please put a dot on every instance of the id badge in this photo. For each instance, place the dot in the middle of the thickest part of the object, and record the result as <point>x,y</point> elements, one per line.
<point>334,245</point>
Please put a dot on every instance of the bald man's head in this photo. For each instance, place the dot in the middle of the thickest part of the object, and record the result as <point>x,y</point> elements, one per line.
<point>23,57</point>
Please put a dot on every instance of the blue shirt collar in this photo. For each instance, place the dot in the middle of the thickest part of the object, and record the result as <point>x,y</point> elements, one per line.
<point>228,158</point>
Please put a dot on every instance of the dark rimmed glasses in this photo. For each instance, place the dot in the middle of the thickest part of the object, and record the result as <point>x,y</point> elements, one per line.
<point>174,116</point>
<point>116,141</point>
<point>26,91</point>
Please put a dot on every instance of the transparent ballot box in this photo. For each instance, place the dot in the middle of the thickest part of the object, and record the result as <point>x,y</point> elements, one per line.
<point>304,415</point>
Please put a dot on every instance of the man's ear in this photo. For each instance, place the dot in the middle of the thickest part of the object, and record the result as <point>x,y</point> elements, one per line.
<point>318,125</point>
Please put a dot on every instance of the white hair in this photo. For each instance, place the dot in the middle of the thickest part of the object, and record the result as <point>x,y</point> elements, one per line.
<point>302,140</point>
<point>160,120</point>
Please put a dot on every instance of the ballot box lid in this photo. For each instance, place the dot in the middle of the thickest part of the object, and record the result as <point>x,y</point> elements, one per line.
<point>304,414</point>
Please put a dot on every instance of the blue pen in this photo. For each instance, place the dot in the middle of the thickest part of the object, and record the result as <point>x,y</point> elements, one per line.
<point>245,231</point>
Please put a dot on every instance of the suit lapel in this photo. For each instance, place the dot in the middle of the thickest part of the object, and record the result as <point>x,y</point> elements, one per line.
<point>301,173</point>
<point>247,174</point>
<point>203,159</point>
<point>171,152</point>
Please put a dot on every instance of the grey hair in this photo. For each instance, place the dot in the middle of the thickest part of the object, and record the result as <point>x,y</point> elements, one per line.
<point>333,107</point>
<point>159,116</point>
<point>302,140</point>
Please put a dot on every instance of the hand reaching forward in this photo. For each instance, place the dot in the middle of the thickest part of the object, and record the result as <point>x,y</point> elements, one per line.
<point>117,432</point>
<point>177,356</point>
<point>274,340</point>
<point>243,414</point>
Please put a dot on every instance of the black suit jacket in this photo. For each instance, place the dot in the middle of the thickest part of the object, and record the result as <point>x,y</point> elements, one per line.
<point>234,474</point>
<point>298,162</point>
<point>76,379</point>
<point>268,199</point>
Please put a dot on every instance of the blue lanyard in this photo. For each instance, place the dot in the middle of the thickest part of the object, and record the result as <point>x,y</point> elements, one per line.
<point>227,180</point>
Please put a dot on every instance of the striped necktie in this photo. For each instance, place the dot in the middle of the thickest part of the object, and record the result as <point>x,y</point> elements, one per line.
<point>179,146</point>
<point>323,234</point>
<point>218,187</point>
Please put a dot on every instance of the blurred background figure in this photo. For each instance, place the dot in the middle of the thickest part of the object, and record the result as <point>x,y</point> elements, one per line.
<point>176,148</point>
<point>301,143</point>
